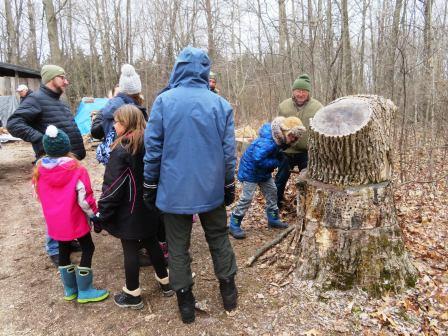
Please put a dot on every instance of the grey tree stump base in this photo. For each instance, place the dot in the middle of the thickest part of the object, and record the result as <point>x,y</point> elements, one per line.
<point>351,238</point>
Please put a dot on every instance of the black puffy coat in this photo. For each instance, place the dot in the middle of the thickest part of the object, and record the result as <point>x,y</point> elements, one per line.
<point>27,94</point>
<point>36,112</point>
<point>121,205</point>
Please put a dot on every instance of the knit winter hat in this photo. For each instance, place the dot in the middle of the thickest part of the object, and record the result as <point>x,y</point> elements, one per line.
<point>50,71</point>
<point>129,80</point>
<point>282,126</point>
<point>56,142</point>
<point>302,83</point>
<point>212,75</point>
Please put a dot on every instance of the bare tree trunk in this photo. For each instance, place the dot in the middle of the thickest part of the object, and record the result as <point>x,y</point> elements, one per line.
<point>311,38</point>
<point>105,36</point>
<point>351,235</point>
<point>365,6</point>
<point>347,52</point>
<point>128,43</point>
<point>389,79</point>
<point>428,64</point>
<point>328,50</point>
<point>12,53</point>
<point>210,37</point>
<point>282,27</point>
<point>33,58</point>
<point>71,39</point>
<point>52,29</point>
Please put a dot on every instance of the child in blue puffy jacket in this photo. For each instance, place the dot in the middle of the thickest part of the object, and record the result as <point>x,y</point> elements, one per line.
<point>256,167</point>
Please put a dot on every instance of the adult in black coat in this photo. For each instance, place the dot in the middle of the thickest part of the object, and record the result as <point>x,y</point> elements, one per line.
<point>23,92</point>
<point>44,107</point>
<point>121,209</point>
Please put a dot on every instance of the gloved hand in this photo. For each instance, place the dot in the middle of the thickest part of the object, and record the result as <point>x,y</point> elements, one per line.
<point>97,223</point>
<point>150,195</point>
<point>229,193</point>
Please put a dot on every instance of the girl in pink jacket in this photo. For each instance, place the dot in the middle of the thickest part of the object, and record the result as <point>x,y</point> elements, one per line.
<point>63,187</point>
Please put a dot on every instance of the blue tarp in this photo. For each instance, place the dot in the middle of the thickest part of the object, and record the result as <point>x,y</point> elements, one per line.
<point>86,107</point>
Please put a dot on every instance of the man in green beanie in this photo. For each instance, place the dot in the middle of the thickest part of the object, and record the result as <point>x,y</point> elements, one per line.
<point>304,107</point>
<point>40,109</point>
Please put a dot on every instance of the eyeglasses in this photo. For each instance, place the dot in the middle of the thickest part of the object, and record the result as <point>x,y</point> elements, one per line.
<point>62,77</point>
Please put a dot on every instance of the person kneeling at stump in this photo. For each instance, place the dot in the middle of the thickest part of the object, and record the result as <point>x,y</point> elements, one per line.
<point>256,167</point>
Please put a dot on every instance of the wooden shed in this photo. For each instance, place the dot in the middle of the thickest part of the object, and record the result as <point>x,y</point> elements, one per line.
<point>12,75</point>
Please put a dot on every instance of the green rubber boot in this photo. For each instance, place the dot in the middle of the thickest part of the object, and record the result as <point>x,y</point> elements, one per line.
<point>86,292</point>
<point>68,277</point>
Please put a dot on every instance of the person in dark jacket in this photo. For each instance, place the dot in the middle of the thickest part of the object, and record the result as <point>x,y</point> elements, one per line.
<point>102,126</point>
<point>187,119</point>
<point>256,167</point>
<point>44,107</point>
<point>121,209</point>
<point>212,82</point>
<point>36,112</point>
<point>23,91</point>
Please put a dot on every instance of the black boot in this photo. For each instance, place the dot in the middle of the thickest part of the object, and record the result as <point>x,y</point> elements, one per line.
<point>229,293</point>
<point>129,299</point>
<point>186,301</point>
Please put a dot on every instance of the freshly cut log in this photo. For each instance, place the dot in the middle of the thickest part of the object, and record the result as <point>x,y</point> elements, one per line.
<point>349,141</point>
<point>350,233</point>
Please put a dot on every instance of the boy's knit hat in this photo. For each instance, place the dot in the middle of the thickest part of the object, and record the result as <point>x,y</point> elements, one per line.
<point>129,80</point>
<point>56,142</point>
<point>50,71</point>
<point>282,126</point>
<point>302,82</point>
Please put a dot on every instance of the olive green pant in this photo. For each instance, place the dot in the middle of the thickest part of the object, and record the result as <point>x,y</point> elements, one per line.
<point>178,234</point>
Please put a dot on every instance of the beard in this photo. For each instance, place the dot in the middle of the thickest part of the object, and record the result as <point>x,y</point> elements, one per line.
<point>300,103</point>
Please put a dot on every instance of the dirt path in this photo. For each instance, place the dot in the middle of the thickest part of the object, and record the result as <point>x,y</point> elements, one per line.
<point>31,293</point>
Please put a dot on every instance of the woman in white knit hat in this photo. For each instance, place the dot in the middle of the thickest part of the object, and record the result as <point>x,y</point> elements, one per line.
<point>130,93</point>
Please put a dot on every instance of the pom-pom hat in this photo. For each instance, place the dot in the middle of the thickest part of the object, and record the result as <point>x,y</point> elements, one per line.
<point>56,142</point>
<point>129,80</point>
<point>302,82</point>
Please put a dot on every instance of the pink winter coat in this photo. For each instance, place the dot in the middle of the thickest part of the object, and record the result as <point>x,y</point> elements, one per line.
<point>66,196</point>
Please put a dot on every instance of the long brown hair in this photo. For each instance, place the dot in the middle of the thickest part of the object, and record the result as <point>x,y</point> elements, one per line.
<point>35,175</point>
<point>134,123</point>
<point>137,97</point>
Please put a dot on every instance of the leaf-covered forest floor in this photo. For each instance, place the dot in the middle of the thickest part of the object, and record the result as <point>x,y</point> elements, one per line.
<point>271,302</point>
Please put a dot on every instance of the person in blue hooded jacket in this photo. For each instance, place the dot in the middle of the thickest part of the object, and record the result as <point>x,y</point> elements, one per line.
<point>190,168</point>
<point>256,167</point>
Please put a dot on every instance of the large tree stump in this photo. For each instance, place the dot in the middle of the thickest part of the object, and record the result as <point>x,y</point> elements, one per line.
<point>351,235</point>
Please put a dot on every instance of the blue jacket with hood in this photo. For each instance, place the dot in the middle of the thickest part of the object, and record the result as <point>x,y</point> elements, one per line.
<point>260,158</point>
<point>190,140</point>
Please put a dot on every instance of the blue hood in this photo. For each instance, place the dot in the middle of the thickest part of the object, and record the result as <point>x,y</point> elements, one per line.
<point>265,131</point>
<point>192,68</point>
<point>188,120</point>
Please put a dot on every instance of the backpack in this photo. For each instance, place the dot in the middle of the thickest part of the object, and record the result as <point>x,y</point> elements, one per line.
<point>103,150</point>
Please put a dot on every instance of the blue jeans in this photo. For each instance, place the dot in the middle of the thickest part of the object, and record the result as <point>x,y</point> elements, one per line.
<point>51,245</point>
<point>288,162</point>
<point>269,192</point>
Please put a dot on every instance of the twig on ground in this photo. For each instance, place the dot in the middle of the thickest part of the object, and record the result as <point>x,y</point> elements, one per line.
<point>268,245</point>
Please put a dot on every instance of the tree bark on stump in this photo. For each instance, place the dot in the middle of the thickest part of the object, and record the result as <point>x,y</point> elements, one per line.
<point>351,235</point>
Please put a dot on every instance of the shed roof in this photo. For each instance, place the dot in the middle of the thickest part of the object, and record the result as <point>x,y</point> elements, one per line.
<point>11,70</point>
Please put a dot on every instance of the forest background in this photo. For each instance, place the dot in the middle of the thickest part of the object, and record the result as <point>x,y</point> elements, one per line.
<point>394,48</point>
